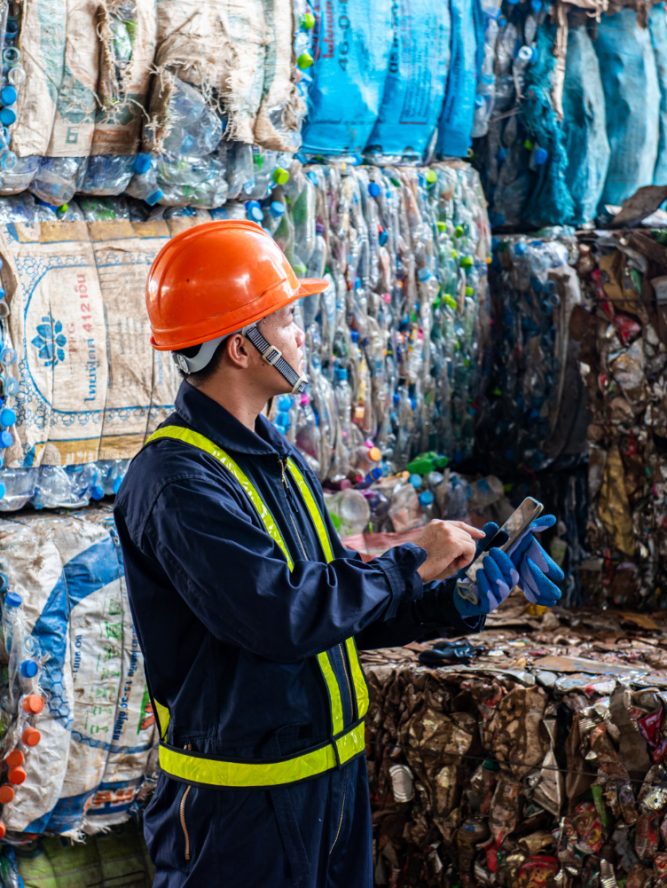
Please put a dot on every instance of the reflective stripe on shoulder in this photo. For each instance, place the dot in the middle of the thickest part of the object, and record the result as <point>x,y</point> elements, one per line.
<point>313,511</point>
<point>189,436</point>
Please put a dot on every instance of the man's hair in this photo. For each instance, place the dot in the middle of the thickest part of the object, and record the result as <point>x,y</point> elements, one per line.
<point>202,375</point>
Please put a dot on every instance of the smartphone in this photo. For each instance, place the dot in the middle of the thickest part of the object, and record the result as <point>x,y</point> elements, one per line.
<point>517,523</point>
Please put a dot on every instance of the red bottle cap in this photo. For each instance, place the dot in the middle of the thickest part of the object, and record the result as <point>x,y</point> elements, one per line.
<point>15,758</point>
<point>31,736</point>
<point>6,794</point>
<point>3,830</point>
<point>17,776</point>
<point>33,703</point>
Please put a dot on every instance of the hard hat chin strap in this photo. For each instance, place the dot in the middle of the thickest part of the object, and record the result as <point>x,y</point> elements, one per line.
<point>274,356</point>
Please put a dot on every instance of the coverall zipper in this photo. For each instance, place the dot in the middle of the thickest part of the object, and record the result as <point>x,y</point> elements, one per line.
<point>289,494</point>
<point>184,826</point>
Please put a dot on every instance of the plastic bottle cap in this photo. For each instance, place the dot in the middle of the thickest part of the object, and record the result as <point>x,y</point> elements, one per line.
<point>29,669</point>
<point>154,197</point>
<point>424,274</point>
<point>6,439</point>
<point>467,262</point>
<point>254,211</point>
<point>8,95</point>
<point>3,830</point>
<point>459,231</point>
<point>13,599</point>
<point>142,163</point>
<point>7,116</point>
<point>6,794</point>
<point>7,416</point>
<point>525,53</point>
<point>2,293</point>
<point>426,498</point>
<point>31,736</point>
<point>431,177</point>
<point>15,759</point>
<point>308,21</point>
<point>540,156</point>
<point>33,703</point>
<point>375,454</point>
<point>383,237</point>
<point>416,481</point>
<point>281,176</point>
<point>277,208</point>
<point>374,189</point>
<point>17,776</point>
<point>305,61</point>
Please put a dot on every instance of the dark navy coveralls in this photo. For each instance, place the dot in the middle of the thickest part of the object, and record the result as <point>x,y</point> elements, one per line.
<point>229,637</point>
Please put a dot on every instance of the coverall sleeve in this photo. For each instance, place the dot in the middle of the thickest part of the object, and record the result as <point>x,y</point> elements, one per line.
<point>236,580</point>
<point>404,626</point>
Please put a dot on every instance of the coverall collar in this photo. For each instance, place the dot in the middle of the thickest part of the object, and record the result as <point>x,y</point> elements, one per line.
<point>205,415</point>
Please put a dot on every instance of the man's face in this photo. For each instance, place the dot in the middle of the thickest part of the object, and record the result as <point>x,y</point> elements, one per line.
<point>281,330</point>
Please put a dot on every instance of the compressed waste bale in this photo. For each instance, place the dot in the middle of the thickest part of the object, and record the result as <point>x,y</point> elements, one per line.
<point>532,756</point>
<point>351,49</point>
<point>414,90</point>
<point>81,384</point>
<point>117,859</point>
<point>75,706</point>
<point>628,63</point>
<point>624,364</point>
<point>566,135</point>
<point>394,345</point>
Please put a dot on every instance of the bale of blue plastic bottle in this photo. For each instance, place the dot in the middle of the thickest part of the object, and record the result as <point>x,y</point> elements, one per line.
<point>632,97</point>
<point>415,87</point>
<point>458,114</point>
<point>658,31</point>
<point>351,49</point>
<point>584,126</point>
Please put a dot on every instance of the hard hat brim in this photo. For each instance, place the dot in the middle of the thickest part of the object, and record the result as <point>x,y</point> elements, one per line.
<point>311,286</point>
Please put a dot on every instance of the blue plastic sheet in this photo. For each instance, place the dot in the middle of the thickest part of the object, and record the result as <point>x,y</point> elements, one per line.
<point>584,127</point>
<point>351,48</point>
<point>414,91</point>
<point>658,30</point>
<point>456,123</point>
<point>632,97</point>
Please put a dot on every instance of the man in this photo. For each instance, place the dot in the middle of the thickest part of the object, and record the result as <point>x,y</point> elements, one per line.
<point>247,605</point>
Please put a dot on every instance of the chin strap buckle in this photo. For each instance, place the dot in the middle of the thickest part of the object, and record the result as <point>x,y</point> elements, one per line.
<point>272,355</point>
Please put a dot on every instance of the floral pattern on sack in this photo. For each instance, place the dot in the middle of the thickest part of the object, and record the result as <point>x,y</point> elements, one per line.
<point>50,341</point>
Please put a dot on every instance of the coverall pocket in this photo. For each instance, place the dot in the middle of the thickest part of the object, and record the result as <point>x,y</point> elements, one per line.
<point>289,810</point>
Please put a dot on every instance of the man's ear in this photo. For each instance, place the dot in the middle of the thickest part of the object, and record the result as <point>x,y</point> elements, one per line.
<point>238,351</point>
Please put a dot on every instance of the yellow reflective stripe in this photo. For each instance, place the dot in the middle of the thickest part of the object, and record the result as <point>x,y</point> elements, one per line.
<point>203,443</point>
<point>314,512</point>
<point>360,685</point>
<point>215,772</point>
<point>334,693</point>
<point>162,718</point>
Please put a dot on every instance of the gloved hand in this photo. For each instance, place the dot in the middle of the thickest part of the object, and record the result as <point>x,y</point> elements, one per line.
<point>538,573</point>
<point>494,582</point>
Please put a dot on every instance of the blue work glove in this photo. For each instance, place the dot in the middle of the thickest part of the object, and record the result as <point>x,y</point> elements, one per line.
<point>494,582</point>
<point>538,573</point>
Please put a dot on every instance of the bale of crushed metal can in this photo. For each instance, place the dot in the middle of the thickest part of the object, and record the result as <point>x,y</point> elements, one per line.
<point>532,756</point>
<point>623,334</point>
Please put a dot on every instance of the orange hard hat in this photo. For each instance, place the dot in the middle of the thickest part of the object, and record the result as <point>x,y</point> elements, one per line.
<point>214,279</point>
